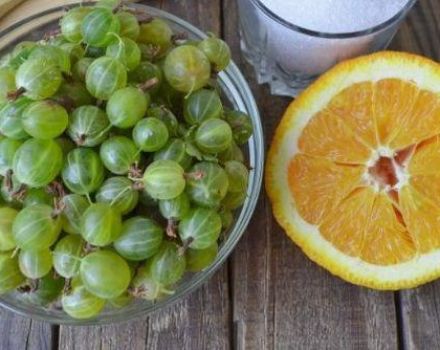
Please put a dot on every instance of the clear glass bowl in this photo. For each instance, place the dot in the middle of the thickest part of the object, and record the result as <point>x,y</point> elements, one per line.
<point>235,90</point>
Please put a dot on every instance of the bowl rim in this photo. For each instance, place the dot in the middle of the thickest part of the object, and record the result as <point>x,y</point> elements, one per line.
<point>242,219</point>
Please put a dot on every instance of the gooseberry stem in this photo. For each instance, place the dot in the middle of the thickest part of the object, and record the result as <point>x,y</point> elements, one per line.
<point>13,95</point>
<point>171,228</point>
<point>186,244</point>
<point>145,86</point>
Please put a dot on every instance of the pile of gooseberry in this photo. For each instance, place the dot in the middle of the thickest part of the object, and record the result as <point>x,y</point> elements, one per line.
<point>120,167</point>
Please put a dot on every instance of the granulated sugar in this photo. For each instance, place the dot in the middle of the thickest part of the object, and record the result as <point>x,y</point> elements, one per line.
<point>335,16</point>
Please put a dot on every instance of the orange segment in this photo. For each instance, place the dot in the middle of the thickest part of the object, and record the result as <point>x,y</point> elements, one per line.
<point>327,136</point>
<point>422,123</point>
<point>428,186</point>
<point>344,226</point>
<point>386,240</point>
<point>317,184</point>
<point>422,218</point>
<point>426,159</point>
<point>393,100</point>
<point>354,106</point>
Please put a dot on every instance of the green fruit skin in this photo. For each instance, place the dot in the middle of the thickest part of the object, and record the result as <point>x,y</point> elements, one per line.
<point>241,125</point>
<point>199,259</point>
<point>121,301</point>
<point>74,51</point>
<point>150,134</point>
<point>35,264</point>
<point>140,239</point>
<point>67,255</point>
<point>126,51</point>
<point>156,33</point>
<point>238,176</point>
<point>80,68</point>
<point>233,200</point>
<point>207,184</point>
<point>168,265</point>
<point>34,227</point>
<point>45,120</point>
<point>118,154</point>
<point>217,51</point>
<point>105,274</point>
<point>233,152</point>
<point>175,150</point>
<point>98,26</point>
<point>8,147</point>
<point>213,136</point>
<point>227,218</point>
<point>7,217</point>
<point>81,304</point>
<point>37,196</point>
<point>73,95</point>
<point>71,22</point>
<point>89,126</point>
<point>38,162</point>
<point>129,25</point>
<point>202,105</point>
<point>176,208</point>
<point>166,116</point>
<point>119,193</point>
<point>201,226</point>
<point>164,179</point>
<point>10,119</point>
<point>83,172</point>
<point>101,224</point>
<point>48,82</point>
<point>74,207</point>
<point>53,54</point>
<point>105,76</point>
<point>7,83</point>
<point>144,285</point>
<point>187,69</point>
<point>48,290</point>
<point>8,194</point>
<point>127,106</point>
<point>10,275</point>
<point>146,71</point>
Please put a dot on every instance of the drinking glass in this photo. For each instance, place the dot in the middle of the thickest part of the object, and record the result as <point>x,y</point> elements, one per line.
<point>290,57</point>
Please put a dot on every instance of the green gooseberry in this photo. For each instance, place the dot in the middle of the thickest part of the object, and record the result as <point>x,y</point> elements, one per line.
<point>105,76</point>
<point>88,126</point>
<point>168,265</point>
<point>140,239</point>
<point>213,136</point>
<point>101,224</point>
<point>241,125</point>
<point>164,179</point>
<point>156,33</point>
<point>67,255</point>
<point>175,208</point>
<point>7,83</point>
<point>202,105</point>
<point>199,259</point>
<point>74,207</point>
<point>150,134</point>
<point>38,162</point>
<point>8,148</point>
<point>119,154</point>
<point>10,275</point>
<point>175,150</point>
<point>217,51</point>
<point>129,25</point>
<point>83,172</point>
<point>126,51</point>
<point>207,184</point>
<point>7,217</point>
<point>99,26</point>
<point>71,22</point>
<point>200,228</point>
<point>166,116</point>
<point>35,263</point>
<point>79,303</point>
<point>10,118</point>
<point>238,176</point>
<point>127,106</point>
<point>119,192</point>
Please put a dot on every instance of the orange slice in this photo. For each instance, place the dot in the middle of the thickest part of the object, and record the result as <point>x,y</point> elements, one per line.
<point>353,172</point>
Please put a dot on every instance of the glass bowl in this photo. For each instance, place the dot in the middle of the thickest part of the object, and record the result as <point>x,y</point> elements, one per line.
<point>235,91</point>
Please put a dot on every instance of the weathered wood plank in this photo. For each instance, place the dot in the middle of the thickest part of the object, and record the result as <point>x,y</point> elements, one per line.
<point>18,332</point>
<point>420,307</point>
<point>281,299</point>
<point>200,321</point>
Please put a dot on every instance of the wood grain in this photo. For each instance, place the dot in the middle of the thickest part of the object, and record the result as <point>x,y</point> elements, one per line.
<point>200,321</point>
<point>420,307</point>
<point>17,332</point>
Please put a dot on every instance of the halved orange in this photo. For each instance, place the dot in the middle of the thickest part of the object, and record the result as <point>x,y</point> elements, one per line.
<point>353,172</point>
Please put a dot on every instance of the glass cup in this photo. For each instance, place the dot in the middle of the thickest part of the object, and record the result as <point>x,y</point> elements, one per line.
<point>289,57</point>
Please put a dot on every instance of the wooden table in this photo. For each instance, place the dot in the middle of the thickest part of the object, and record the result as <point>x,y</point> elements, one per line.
<point>268,295</point>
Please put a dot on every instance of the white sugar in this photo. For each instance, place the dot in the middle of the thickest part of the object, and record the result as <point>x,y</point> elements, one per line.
<point>335,16</point>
